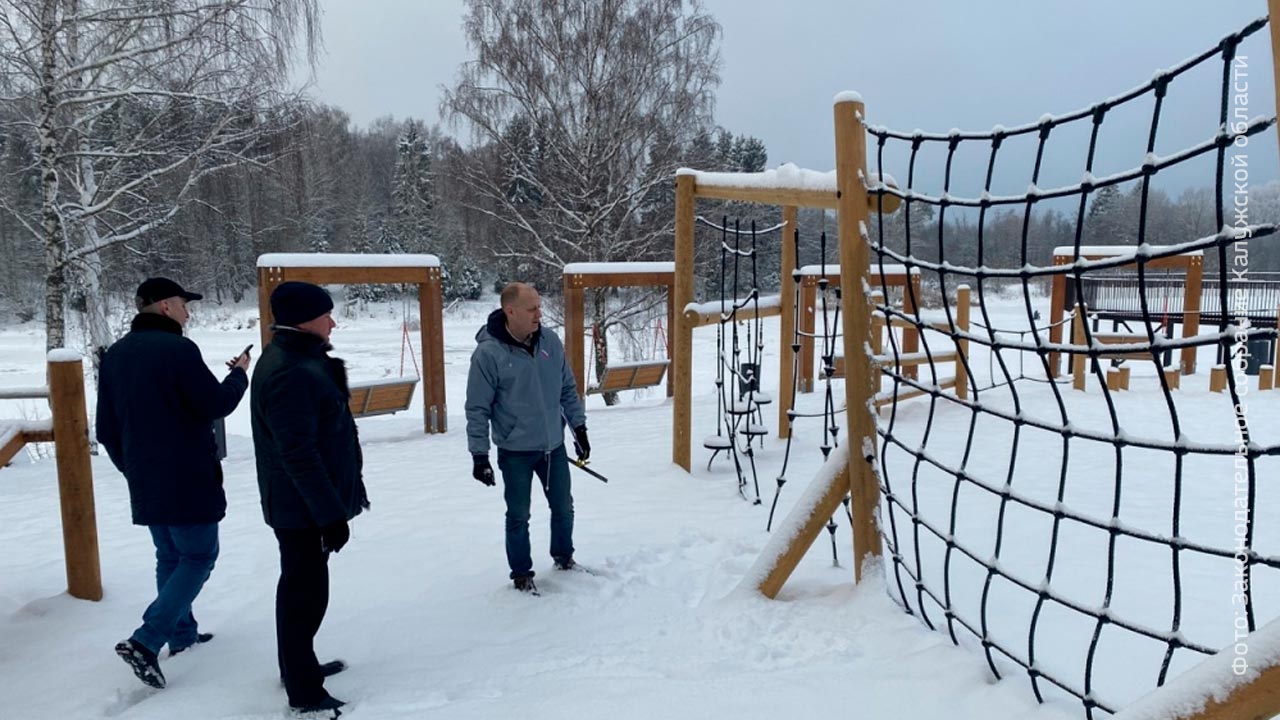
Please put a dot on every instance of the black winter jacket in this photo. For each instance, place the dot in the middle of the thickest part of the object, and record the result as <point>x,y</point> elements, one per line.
<point>157,401</point>
<point>308,451</point>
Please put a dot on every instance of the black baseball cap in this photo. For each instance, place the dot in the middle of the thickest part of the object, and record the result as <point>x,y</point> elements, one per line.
<point>153,290</point>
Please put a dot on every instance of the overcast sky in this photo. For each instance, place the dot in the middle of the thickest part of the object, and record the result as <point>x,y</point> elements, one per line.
<point>928,64</point>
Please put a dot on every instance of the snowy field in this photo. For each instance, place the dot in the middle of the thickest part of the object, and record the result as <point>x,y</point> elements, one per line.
<point>424,614</point>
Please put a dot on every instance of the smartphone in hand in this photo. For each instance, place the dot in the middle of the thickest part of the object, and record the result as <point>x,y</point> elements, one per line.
<point>236,360</point>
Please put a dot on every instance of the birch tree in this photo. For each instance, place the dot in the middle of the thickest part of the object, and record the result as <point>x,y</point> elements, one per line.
<point>573,98</point>
<point>130,104</point>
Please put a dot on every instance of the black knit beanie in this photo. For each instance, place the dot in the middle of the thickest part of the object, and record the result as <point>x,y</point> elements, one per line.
<point>294,303</point>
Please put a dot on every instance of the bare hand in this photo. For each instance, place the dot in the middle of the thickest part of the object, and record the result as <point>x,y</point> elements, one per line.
<point>240,361</point>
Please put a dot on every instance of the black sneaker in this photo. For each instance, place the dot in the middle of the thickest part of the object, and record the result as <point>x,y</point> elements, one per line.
<point>565,563</point>
<point>326,708</point>
<point>143,662</point>
<point>526,585</point>
<point>201,639</point>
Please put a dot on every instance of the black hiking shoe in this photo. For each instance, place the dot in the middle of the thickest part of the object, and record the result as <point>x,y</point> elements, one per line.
<point>326,708</point>
<point>526,585</point>
<point>201,639</point>
<point>143,662</point>
<point>565,563</point>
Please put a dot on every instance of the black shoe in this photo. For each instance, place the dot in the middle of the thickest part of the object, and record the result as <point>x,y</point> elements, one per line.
<point>565,563</point>
<point>525,585</point>
<point>326,708</point>
<point>143,662</point>
<point>201,639</point>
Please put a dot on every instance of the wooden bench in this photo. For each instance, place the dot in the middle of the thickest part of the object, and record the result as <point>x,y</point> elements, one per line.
<point>1116,380</point>
<point>907,359</point>
<point>381,397</point>
<point>631,376</point>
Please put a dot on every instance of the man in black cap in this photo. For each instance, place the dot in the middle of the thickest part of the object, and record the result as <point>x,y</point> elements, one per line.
<point>309,475</point>
<point>157,402</point>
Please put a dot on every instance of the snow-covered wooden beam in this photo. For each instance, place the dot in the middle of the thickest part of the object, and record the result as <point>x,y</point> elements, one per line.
<point>1241,682</point>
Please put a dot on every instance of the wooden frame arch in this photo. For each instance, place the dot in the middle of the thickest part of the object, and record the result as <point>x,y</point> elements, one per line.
<point>1191,263</point>
<point>353,269</point>
<point>789,188</point>
<point>579,276</point>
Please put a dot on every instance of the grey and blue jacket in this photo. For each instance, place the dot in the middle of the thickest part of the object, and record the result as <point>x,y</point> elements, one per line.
<point>525,391</point>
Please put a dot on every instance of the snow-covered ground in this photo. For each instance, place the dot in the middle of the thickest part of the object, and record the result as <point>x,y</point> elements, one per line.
<point>422,609</point>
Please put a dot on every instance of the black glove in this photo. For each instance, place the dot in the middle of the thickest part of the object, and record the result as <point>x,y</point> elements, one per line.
<point>580,443</point>
<point>481,469</point>
<point>333,537</point>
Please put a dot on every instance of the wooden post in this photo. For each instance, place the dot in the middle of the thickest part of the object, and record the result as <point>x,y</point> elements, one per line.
<point>878,322</point>
<point>1172,377</point>
<point>1079,361</point>
<point>1057,306</point>
<point>962,345</point>
<point>860,376</point>
<point>435,414</point>
<point>1218,378</point>
<point>910,308</point>
<point>671,336</point>
<point>1191,311</point>
<point>75,475</point>
<point>682,356</point>
<point>1124,377</point>
<point>573,343</point>
<point>1266,377</point>
<point>1273,11</point>
<point>787,326</point>
<point>266,283</point>
<point>808,321</point>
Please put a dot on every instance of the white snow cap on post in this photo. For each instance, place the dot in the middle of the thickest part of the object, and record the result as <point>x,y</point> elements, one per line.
<point>846,96</point>
<point>64,355</point>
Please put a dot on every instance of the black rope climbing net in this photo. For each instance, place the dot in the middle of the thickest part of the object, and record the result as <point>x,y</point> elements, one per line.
<point>1000,456</point>
<point>739,353</point>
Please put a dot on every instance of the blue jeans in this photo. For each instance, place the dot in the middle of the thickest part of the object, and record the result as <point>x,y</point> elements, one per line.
<point>185,555</point>
<point>552,469</point>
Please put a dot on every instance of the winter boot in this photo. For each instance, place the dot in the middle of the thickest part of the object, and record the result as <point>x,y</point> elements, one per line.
<point>143,662</point>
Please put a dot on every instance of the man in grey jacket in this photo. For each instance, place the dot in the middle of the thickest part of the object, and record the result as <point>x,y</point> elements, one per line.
<point>521,385</point>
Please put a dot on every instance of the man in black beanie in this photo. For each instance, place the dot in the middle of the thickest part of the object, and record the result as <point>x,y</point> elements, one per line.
<point>309,476</point>
<point>157,402</point>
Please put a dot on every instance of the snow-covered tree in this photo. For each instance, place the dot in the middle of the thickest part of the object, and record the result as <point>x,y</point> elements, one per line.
<point>412,192</point>
<point>131,105</point>
<point>566,103</point>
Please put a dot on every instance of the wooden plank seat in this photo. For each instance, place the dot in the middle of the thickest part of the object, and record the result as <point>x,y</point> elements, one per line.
<point>381,397</point>
<point>631,376</point>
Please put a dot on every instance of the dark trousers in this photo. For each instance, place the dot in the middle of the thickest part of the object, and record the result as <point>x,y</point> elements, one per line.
<point>302,596</point>
<point>552,469</point>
